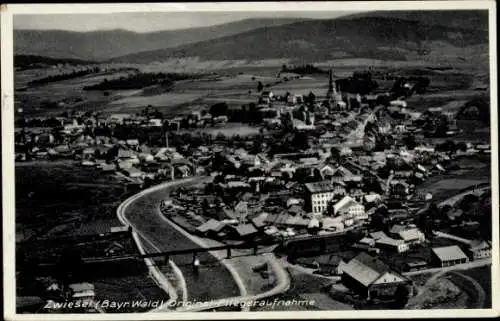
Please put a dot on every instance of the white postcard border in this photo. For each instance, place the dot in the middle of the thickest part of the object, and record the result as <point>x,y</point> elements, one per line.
<point>7,116</point>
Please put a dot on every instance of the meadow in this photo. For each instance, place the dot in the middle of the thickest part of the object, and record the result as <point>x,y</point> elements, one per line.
<point>229,130</point>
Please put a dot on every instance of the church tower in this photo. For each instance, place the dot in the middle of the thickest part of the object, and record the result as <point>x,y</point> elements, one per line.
<point>331,90</point>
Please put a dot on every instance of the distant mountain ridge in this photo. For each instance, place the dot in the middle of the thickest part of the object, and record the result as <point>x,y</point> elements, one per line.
<point>385,35</point>
<point>377,37</point>
<point>107,44</point>
<point>477,19</point>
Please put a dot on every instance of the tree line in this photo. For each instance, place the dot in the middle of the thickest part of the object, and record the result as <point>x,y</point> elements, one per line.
<point>140,80</point>
<point>64,76</point>
<point>25,62</point>
<point>304,69</point>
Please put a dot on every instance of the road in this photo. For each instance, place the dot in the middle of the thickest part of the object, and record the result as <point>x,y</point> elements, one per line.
<point>214,284</point>
<point>474,290</point>
<point>452,200</point>
<point>457,267</point>
<point>213,281</point>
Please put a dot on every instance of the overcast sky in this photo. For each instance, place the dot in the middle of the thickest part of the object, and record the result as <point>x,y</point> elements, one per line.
<point>145,22</point>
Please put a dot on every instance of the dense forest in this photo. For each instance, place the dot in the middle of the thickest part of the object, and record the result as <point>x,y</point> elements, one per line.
<point>140,80</point>
<point>64,76</point>
<point>25,62</point>
<point>303,70</point>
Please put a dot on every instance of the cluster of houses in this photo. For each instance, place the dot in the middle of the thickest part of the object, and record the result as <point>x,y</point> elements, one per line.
<point>307,193</point>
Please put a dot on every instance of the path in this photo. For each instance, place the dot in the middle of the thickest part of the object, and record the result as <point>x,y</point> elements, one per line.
<point>457,267</point>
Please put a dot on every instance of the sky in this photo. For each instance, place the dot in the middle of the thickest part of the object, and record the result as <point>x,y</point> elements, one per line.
<point>152,21</point>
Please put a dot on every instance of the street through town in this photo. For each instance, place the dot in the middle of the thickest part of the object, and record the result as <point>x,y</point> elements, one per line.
<point>213,281</point>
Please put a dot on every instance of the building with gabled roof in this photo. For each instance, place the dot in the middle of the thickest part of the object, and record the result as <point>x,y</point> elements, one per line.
<point>318,195</point>
<point>387,243</point>
<point>412,236</point>
<point>479,250</point>
<point>448,256</point>
<point>348,207</point>
<point>371,277</point>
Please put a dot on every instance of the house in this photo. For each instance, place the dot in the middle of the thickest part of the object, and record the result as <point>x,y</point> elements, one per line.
<point>349,208</point>
<point>267,96</point>
<point>400,188</point>
<point>259,222</point>
<point>341,174</point>
<point>132,142</point>
<point>371,277</point>
<point>402,173</point>
<point>367,241</point>
<point>390,244</point>
<point>211,228</point>
<point>318,195</point>
<point>415,265</point>
<point>372,198</point>
<point>479,250</point>
<point>326,171</point>
<point>448,256</point>
<point>108,167</point>
<point>412,236</point>
<point>81,291</point>
<point>88,153</point>
<point>118,118</point>
<point>124,154</point>
<point>378,235</point>
<point>133,172</point>
<point>245,231</point>
<point>329,264</point>
<point>183,171</point>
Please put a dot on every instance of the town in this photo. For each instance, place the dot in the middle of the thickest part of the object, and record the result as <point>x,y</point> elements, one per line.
<point>334,180</point>
<point>320,161</point>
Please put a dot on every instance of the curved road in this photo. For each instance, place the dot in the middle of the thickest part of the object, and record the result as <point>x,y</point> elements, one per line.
<point>213,280</point>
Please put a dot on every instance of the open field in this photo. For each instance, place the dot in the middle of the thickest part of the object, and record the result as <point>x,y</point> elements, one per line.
<point>447,185</point>
<point>65,94</point>
<point>229,129</point>
<point>133,103</point>
<point>194,64</point>
<point>318,84</point>
<point>450,100</point>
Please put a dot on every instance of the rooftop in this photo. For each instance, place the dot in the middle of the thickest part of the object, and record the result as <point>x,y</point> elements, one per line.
<point>448,253</point>
<point>319,187</point>
<point>365,269</point>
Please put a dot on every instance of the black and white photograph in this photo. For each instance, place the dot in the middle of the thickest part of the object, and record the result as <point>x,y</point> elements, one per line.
<point>213,160</point>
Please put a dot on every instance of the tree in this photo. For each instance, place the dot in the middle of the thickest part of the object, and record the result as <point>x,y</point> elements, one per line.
<point>70,266</point>
<point>301,140</point>
<point>372,184</point>
<point>447,146</point>
<point>410,142</point>
<point>310,99</point>
<point>205,206</point>
<point>467,202</point>
<point>335,153</point>
<point>403,294</point>
<point>219,109</point>
<point>260,86</point>
<point>461,146</point>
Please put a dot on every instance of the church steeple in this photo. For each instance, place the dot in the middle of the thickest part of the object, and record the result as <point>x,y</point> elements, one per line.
<point>331,90</point>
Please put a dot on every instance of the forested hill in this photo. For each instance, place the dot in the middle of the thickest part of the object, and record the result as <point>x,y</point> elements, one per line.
<point>319,40</point>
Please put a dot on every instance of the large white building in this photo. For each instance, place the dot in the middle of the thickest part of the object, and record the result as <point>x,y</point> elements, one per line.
<point>319,194</point>
<point>349,208</point>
